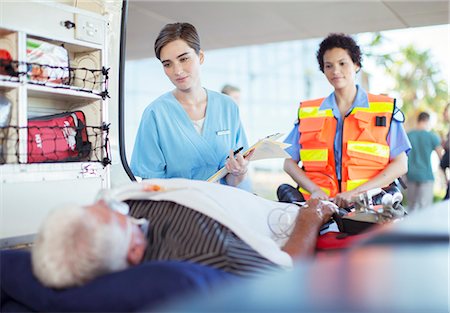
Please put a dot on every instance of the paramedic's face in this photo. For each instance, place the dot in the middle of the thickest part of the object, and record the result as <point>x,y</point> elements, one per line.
<point>138,243</point>
<point>181,64</point>
<point>339,68</point>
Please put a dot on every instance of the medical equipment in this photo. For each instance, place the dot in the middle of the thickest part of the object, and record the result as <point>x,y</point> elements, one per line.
<point>281,220</point>
<point>375,206</point>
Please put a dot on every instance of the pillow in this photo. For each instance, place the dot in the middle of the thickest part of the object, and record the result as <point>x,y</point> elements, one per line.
<point>146,285</point>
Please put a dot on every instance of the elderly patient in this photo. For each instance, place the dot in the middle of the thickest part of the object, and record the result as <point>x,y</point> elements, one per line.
<point>210,224</point>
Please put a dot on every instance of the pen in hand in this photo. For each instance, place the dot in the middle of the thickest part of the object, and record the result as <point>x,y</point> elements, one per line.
<point>236,151</point>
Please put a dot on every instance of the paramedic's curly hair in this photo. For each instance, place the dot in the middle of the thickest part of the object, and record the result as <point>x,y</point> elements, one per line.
<point>175,31</point>
<point>339,41</point>
<point>73,247</point>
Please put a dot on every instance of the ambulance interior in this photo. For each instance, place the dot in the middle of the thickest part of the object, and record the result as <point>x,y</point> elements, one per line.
<point>400,267</point>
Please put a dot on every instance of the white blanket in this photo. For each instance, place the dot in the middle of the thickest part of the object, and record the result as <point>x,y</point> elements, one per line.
<point>242,212</point>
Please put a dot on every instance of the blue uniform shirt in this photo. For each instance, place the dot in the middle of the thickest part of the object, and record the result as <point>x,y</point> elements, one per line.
<point>167,144</point>
<point>397,138</point>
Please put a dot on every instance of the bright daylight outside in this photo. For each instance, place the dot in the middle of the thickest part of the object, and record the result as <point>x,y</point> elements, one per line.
<point>411,65</point>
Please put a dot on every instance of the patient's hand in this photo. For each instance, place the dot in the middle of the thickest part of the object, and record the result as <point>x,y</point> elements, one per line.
<point>310,217</point>
<point>318,211</point>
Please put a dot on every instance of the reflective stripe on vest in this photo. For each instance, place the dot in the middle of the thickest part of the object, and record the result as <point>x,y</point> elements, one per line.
<point>310,112</point>
<point>376,107</point>
<point>371,149</point>
<point>352,184</point>
<point>306,194</point>
<point>314,157</point>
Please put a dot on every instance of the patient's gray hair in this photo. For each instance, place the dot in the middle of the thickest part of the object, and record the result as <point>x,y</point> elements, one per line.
<point>73,246</point>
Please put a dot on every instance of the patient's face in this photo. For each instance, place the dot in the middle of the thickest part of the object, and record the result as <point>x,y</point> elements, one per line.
<point>138,243</point>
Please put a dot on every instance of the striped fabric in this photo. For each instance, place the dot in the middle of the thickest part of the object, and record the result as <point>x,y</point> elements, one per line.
<point>177,232</point>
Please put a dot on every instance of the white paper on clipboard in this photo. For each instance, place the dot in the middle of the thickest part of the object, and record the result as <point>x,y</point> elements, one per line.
<point>265,148</point>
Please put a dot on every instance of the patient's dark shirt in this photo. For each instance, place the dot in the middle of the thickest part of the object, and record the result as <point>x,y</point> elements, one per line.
<point>177,232</point>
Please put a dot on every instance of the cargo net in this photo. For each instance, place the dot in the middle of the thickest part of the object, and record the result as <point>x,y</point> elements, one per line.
<point>9,70</point>
<point>74,78</point>
<point>49,144</point>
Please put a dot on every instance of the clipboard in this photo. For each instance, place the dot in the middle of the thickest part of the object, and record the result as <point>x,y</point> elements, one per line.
<point>265,148</point>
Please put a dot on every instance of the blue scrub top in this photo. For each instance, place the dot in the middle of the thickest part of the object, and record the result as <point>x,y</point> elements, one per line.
<point>397,138</point>
<point>167,144</point>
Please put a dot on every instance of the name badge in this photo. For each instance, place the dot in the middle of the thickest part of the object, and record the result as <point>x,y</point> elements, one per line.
<point>223,132</point>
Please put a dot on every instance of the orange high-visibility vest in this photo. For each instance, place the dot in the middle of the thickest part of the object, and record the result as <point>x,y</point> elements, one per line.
<point>365,151</point>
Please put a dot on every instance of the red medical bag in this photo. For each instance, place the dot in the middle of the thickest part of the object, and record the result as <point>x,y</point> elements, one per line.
<point>6,66</point>
<point>58,137</point>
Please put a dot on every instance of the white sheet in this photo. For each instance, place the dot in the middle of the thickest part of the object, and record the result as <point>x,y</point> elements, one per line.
<point>242,212</point>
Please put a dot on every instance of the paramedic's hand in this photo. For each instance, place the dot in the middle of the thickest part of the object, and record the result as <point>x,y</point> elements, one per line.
<point>319,194</point>
<point>344,199</point>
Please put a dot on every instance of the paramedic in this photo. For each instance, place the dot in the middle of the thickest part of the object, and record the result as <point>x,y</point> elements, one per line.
<point>190,131</point>
<point>77,244</point>
<point>350,141</point>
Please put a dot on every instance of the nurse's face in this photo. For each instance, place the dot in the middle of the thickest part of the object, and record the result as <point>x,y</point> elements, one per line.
<point>181,64</point>
<point>339,68</point>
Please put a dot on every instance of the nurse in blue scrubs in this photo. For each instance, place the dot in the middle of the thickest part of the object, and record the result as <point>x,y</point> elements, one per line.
<point>190,131</point>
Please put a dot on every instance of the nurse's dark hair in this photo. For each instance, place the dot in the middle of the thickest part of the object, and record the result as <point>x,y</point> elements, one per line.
<point>339,40</point>
<point>175,31</point>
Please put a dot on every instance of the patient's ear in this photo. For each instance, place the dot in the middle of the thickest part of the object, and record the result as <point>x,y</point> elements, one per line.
<point>135,255</point>
<point>136,250</point>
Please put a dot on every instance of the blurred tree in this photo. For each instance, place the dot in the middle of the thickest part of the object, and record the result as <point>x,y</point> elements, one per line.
<point>417,79</point>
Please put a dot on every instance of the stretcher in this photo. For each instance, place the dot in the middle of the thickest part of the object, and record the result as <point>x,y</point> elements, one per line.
<point>142,287</point>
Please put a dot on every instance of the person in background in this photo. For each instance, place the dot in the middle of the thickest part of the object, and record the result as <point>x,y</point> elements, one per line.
<point>235,93</point>
<point>445,161</point>
<point>348,142</point>
<point>76,244</point>
<point>232,91</point>
<point>189,132</point>
<point>420,174</point>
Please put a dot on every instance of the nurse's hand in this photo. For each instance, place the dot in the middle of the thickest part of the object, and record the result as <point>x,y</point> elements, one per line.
<point>236,165</point>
